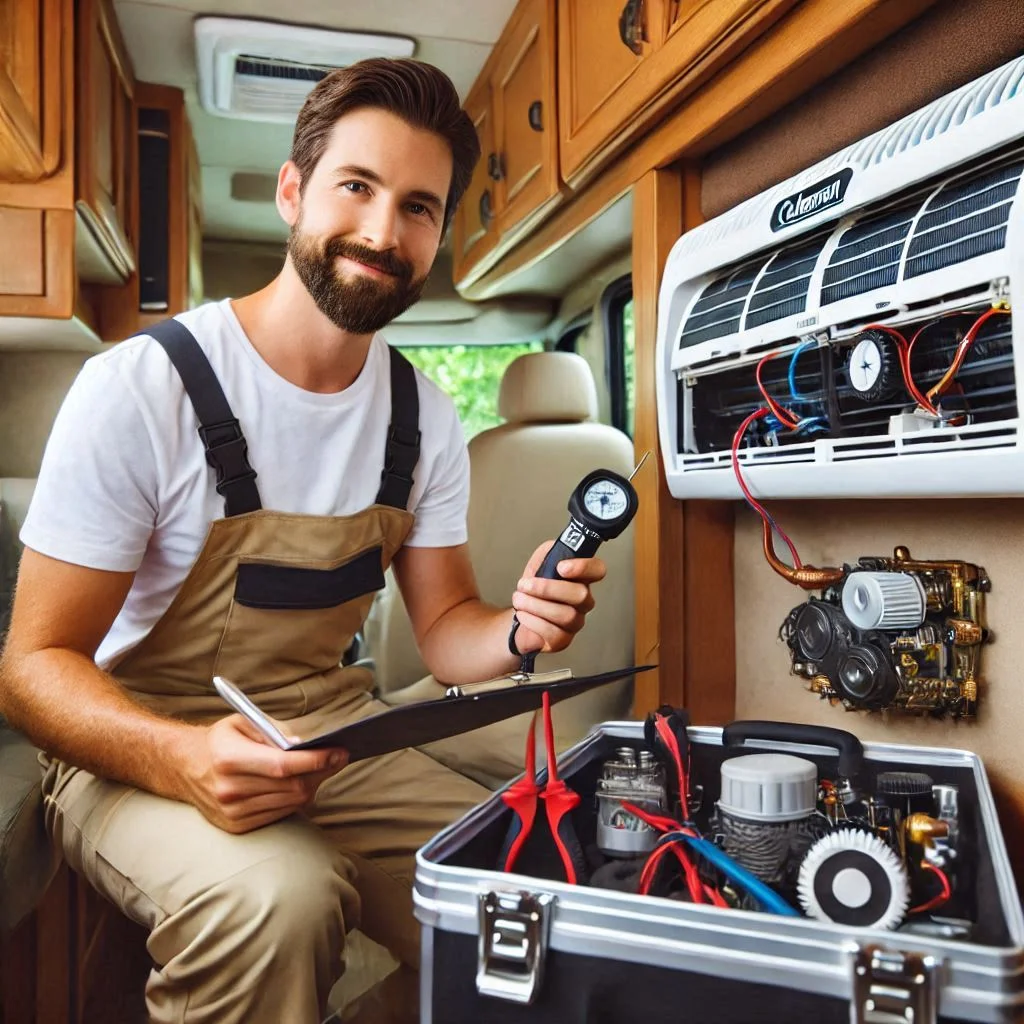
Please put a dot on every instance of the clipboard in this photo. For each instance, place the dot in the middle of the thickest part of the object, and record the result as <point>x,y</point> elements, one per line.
<point>412,725</point>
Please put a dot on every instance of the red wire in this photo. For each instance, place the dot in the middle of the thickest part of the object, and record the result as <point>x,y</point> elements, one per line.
<point>962,349</point>
<point>784,416</point>
<point>935,901</point>
<point>754,503</point>
<point>668,737</point>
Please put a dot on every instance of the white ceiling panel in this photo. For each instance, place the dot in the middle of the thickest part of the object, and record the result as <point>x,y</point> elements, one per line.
<point>475,21</point>
<point>455,35</point>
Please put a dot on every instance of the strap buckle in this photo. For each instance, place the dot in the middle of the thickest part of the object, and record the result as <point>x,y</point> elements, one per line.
<point>402,452</point>
<point>227,452</point>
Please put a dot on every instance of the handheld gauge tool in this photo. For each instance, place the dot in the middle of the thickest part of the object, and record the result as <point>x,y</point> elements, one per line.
<point>600,508</point>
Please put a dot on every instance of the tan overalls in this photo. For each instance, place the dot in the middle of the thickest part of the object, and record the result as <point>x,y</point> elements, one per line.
<point>251,927</point>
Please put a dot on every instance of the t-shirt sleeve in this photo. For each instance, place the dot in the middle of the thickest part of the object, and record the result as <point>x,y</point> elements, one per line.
<point>96,498</point>
<point>441,510</point>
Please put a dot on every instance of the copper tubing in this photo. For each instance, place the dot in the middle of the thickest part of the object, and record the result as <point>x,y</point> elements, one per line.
<point>808,577</point>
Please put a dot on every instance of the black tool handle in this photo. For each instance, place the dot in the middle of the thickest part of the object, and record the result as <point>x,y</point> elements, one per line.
<point>851,752</point>
<point>560,551</point>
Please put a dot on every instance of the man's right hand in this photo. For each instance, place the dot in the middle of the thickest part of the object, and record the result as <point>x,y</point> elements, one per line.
<point>240,782</point>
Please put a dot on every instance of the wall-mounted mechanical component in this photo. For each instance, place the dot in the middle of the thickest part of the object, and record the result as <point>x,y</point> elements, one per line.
<point>895,633</point>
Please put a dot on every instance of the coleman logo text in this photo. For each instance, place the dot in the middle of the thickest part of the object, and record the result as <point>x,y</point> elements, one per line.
<point>812,200</point>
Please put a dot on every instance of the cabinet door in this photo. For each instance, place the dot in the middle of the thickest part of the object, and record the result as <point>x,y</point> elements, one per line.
<point>106,141</point>
<point>31,87</point>
<point>525,116</point>
<point>475,231</point>
<point>601,43</point>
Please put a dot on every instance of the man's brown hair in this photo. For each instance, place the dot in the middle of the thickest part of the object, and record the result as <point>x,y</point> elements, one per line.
<point>420,94</point>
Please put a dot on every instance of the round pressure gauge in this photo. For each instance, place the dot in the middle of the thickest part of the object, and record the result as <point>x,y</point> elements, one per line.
<point>605,499</point>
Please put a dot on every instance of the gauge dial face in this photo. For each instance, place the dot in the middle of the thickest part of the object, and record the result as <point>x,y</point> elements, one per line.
<point>605,499</point>
<point>865,365</point>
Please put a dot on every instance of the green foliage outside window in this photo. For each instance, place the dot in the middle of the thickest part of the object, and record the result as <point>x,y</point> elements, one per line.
<point>629,360</point>
<point>471,375</point>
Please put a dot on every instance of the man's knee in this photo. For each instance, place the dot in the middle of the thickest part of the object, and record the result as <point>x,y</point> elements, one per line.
<point>295,903</point>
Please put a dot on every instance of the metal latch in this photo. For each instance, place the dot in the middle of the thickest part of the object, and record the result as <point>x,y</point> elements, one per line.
<point>514,930</point>
<point>891,987</point>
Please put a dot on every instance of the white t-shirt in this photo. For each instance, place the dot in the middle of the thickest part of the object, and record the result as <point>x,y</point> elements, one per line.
<point>125,485</point>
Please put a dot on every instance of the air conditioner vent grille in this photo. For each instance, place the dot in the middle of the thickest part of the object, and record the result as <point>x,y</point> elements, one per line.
<point>265,67</point>
<point>782,289</point>
<point>717,312</point>
<point>964,220</point>
<point>868,255</point>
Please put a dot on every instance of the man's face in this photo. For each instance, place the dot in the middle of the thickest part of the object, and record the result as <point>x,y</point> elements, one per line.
<point>369,220</point>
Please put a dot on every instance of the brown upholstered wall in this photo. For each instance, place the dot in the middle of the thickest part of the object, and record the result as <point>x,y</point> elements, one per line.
<point>957,41</point>
<point>954,42</point>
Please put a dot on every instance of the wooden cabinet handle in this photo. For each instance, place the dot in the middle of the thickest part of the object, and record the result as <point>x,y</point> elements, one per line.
<point>495,167</point>
<point>631,30</point>
<point>486,213</point>
<point>536,116</point>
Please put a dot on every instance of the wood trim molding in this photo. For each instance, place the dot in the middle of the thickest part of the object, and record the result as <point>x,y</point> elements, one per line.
<point>658,529</point>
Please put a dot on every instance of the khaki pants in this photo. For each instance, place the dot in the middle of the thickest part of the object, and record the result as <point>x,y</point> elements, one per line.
<point>251,928</point>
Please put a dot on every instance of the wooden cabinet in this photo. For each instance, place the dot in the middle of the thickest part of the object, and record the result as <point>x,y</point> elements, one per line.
<point>166,219</point>
<point>67,88</point>
<point>525,118</point>
<point>475,231</point>
<point>31,84</point>
<point>514,110</point>
<point>105,147</point>
<point>623,63</point>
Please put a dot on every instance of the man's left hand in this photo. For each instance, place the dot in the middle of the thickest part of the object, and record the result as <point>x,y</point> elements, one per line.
<point>552,612</point>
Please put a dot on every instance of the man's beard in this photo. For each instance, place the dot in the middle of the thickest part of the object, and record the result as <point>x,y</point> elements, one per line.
<point>359,304</point>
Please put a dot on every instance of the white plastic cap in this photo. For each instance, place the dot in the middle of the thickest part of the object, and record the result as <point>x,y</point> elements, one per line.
<point>769,787</point>
<point>884,600</point>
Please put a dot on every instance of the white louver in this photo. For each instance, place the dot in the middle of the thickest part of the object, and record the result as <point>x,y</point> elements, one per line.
<point>919,220</point>
<point>263,71</point>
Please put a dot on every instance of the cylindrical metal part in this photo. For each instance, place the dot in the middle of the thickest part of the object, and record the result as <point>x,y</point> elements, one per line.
<point>884,600</point>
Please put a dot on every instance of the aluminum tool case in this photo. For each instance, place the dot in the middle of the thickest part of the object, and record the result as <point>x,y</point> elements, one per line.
<point>502,948</point>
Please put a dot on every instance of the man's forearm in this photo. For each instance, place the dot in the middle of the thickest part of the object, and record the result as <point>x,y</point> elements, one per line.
<point>76,712</point>
<point>469,643</point>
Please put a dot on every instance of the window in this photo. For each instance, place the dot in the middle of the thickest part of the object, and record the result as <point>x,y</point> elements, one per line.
<point>471,374</point>
<point>617,304</point>
<point>569,338</point>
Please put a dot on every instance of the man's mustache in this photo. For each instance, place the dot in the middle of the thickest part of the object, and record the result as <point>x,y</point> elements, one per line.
<point>387,262</point>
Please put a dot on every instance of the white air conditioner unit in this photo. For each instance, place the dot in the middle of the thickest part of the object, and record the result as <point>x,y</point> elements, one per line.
<point>263,71</point>
<point>920,225</point>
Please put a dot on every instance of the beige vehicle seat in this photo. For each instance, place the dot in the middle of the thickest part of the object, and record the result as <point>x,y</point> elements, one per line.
<point>522,474</point>
<point>27,861</point>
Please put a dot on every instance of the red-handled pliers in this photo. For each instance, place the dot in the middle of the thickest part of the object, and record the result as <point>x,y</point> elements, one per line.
<point>559,802</point>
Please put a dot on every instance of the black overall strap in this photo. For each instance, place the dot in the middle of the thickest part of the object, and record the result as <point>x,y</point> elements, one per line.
<point>226,450</point>
<point>403,447</point>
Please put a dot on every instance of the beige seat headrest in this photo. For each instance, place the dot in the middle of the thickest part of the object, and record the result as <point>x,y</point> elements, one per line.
<point>548,387</point>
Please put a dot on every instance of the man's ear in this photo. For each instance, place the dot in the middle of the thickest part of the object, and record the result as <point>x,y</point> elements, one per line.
<point>289,199</point>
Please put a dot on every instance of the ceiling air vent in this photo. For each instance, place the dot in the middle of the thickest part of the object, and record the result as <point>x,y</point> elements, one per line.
<point>263,71</point>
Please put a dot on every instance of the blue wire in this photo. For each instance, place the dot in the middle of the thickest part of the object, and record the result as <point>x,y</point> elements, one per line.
<point>801,348</point>
<point>768,899</point>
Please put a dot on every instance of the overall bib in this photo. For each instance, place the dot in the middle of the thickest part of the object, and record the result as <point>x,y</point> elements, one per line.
<point>251,927</point>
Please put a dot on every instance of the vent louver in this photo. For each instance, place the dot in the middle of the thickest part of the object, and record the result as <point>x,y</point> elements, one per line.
<point>718,311</point>
<point>964,219</point>
<point>782,289</point>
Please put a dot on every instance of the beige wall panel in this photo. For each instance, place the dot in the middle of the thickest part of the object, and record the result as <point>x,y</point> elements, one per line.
<point>987,532</point>
<point>32,387</point>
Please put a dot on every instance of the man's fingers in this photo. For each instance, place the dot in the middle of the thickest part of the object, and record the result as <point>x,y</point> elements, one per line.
<point>564,616</point>
<point>537,557</point>
<point>586,570</point>
<point>237,752</point>
<point>550,637</point>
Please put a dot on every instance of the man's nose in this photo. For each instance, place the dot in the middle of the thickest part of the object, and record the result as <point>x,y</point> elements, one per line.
<point>379,228</point>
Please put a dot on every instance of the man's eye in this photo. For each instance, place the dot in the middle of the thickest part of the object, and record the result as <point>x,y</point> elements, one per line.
<point>354,186</point>
<point>418,209</point>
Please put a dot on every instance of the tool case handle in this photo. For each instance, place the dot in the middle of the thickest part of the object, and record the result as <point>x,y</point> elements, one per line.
<point>851,752</point>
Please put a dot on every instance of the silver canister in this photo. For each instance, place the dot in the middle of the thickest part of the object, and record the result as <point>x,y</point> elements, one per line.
<point>635,776</point>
